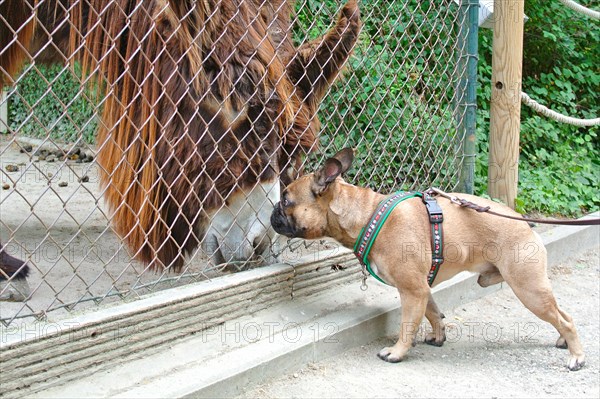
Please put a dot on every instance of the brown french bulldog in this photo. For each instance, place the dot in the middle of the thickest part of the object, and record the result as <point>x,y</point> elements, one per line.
<point>322,204</point>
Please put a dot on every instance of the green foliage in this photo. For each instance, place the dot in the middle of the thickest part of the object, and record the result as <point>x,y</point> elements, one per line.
<point>559,164</point>
<point>49,101</point>
<point>394,103</point>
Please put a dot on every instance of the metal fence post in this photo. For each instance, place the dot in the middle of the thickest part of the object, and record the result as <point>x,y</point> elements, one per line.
<point>466,91</point>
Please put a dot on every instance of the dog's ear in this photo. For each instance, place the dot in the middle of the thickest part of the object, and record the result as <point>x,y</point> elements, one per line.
<point>345,156</point>
<point>324,176</point>
<point>332,168</point>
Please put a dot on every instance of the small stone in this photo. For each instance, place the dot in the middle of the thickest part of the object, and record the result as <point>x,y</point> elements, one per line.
<point>26,148</point>
<point>74,157</point>
<point>88,158</point>
<point>296,375</point>
<point>50,175</point>
<point>84,179</point>
<point>11,168</point>
<point>51,158</point>
<point>42,158</point>
<point>63,184</point>
<point>5,186</point>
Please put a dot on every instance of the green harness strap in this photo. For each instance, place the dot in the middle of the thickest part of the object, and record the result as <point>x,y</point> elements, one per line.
<point>369,233</point>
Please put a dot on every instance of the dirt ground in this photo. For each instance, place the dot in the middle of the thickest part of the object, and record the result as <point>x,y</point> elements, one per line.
<point>496,349</point>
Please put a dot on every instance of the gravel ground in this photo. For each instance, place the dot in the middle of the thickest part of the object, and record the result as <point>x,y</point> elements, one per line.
<point>496,348</point>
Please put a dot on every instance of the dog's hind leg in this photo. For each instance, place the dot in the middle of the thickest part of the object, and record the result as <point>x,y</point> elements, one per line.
<point>561,342</point>
<point>435,317</point>
<point>531,285</point>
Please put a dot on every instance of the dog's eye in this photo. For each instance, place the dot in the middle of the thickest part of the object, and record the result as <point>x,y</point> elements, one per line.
<point>285,202</point>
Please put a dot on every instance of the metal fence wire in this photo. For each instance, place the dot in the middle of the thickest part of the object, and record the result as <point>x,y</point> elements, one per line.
<point>145,142</point>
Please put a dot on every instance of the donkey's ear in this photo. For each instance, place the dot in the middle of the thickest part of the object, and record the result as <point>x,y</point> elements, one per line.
<point>316,64</point>
<point>327,174</point>
<point>345,156</point>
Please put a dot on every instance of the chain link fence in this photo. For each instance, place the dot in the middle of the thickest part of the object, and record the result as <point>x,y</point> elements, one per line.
<point>144,142</point>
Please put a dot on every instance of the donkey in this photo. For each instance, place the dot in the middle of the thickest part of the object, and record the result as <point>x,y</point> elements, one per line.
<point>208,109</point>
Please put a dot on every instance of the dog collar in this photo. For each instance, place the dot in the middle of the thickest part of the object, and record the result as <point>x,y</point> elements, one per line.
<point>369,233</point>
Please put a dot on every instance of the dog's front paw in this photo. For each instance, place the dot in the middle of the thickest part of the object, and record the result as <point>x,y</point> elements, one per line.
<point>576,362</point>
<point>390,355</point>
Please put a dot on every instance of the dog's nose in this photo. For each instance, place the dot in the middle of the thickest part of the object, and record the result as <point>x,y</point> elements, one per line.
<point>277,218</point>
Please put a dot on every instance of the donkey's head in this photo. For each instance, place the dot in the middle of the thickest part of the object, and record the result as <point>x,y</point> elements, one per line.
<point>280,125</point>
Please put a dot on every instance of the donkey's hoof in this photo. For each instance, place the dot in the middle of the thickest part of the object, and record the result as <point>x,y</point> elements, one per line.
<point>14,291</point>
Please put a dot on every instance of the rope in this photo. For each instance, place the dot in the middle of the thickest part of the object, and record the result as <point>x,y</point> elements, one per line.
<point>525,99</point>
<point>579,8</point>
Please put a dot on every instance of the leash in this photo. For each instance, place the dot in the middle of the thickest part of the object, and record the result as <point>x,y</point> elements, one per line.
<point>486,209</point>
<point>369,233</point>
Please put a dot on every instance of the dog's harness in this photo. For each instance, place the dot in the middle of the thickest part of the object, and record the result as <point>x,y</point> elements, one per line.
<point>369,233</point>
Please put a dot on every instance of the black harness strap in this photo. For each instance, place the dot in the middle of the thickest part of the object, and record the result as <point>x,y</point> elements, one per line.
<point>436,218</point>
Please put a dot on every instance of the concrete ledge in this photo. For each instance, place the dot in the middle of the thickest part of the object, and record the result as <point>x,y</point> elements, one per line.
<point>361,322</point>
<point>39,355</point>
<point>563,242</point>
<point>224,359</point>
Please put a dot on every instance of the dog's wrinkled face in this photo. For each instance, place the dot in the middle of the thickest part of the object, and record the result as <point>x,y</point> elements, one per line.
<point>302,211</point>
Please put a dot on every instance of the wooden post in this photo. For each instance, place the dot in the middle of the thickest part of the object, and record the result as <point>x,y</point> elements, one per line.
<point>505,107</point>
